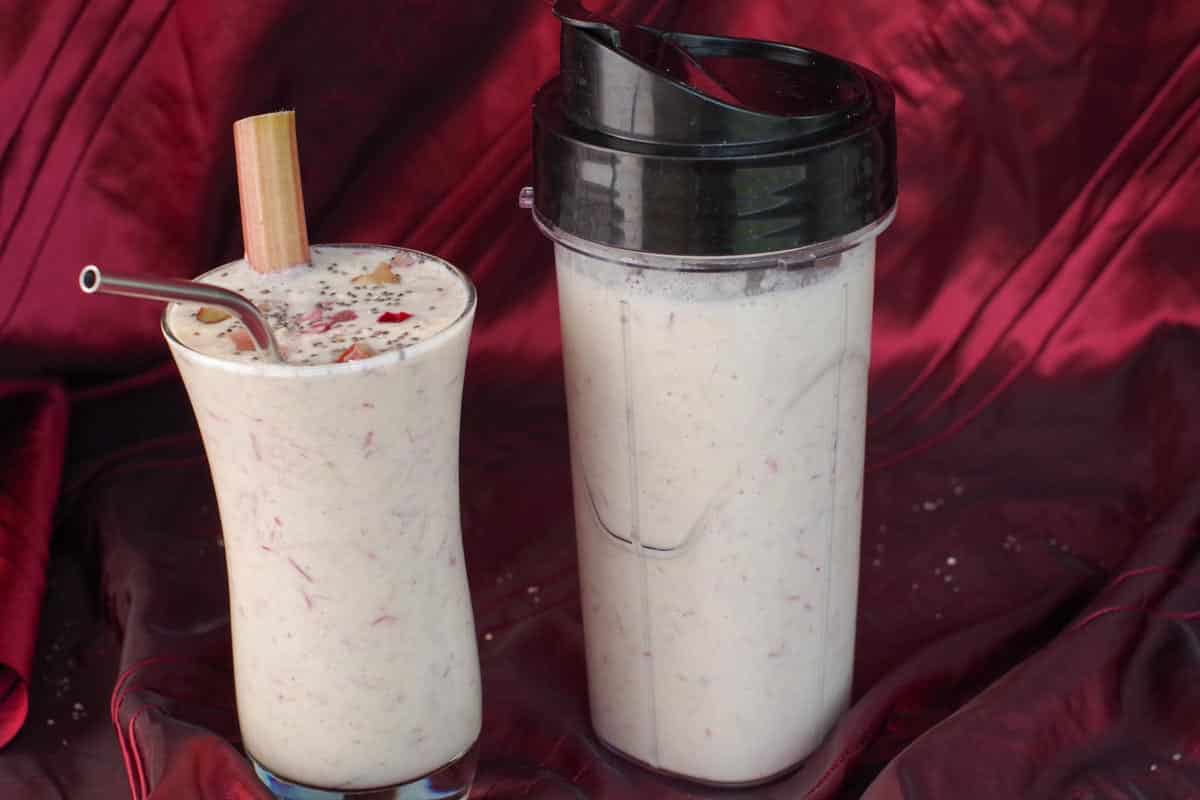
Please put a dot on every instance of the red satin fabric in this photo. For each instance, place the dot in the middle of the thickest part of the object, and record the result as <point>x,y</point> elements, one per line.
<point>32,439</point>
<point>1029,619</point>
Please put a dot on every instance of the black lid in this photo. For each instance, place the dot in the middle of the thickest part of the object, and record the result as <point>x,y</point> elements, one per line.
<point>682,144</point>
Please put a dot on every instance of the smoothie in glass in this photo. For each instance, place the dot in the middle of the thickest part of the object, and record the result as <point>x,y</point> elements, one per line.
<point>336,474</point>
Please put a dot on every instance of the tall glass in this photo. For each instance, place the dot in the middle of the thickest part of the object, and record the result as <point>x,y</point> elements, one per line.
<point>355,658</point>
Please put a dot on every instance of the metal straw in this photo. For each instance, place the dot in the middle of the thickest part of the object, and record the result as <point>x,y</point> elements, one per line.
<point>91,281</point>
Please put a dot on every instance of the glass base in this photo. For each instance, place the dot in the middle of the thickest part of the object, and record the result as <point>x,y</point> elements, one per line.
<point>680,776</point>
<point>450,782</point>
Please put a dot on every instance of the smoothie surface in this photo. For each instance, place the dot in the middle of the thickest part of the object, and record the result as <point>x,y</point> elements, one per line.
<point>352,302</point>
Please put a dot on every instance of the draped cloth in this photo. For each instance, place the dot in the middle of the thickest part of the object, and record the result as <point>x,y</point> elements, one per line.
<point>1029,621</point>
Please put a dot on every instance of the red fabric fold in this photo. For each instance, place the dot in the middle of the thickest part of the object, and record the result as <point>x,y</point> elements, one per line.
<point>1120,722</point>
<point>33,429</point>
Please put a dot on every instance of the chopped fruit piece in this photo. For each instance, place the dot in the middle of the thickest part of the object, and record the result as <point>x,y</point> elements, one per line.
<point>382,274</point>
<point>402,260</point>
<point>312,316</point>
<point>315,321</point>
<point>209,315</point>
<point>394,316</point>
<point>241,339</point>
<point>356,351</point>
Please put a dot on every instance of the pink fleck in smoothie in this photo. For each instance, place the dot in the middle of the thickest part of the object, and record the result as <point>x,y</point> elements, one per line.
<point>337,480</point>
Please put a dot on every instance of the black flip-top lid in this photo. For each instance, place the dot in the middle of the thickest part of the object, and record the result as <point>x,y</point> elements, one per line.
<point>683,144</point>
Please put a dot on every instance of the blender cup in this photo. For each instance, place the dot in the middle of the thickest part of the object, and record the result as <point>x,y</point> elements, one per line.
<point>714,204</point>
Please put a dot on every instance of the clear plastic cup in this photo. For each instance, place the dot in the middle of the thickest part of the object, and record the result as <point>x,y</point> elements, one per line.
<point>717,422</point>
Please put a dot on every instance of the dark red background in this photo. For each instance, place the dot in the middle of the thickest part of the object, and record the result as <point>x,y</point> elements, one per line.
<point>1035,384</point>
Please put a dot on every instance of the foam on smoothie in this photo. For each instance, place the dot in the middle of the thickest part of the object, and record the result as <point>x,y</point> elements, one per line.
<point>316,312</point>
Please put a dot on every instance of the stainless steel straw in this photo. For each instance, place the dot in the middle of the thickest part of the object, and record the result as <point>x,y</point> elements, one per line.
<point>92,281</point>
